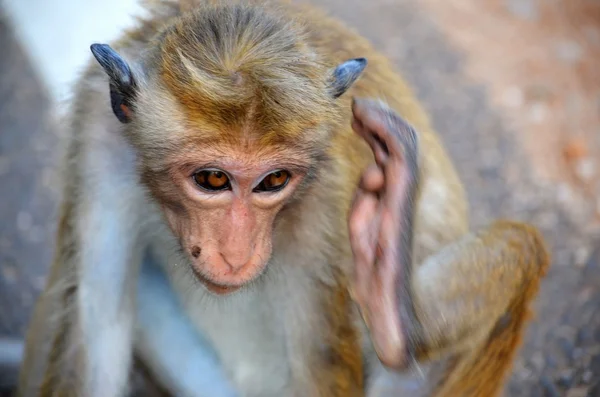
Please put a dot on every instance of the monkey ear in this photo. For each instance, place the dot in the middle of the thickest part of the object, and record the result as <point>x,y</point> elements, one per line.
<point>345,74</point>
<point>122,82</point>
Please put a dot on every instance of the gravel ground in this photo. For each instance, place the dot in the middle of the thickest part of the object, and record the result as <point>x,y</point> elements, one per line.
<point>504,148</point>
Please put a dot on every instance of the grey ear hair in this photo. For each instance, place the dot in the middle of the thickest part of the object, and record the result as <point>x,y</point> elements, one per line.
<point>122,82</point>
<point>345,74</point>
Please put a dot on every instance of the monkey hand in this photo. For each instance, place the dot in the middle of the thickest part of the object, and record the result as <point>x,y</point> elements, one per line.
<point>380,227</point>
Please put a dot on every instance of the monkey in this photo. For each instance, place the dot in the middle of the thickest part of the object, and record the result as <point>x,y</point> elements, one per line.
<point>256,204</point>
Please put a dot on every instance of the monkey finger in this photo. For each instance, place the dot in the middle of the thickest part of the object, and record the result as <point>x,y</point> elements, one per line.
<point>363,226</point>
<point>364,230</point>
<point>385,326</point>
<point>383,305</point>
<point>372,179</point>
<point>378,148</point>
<point>386,125</point>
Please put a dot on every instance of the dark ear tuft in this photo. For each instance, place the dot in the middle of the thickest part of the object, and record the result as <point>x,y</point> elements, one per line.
<point>122,82</point>
<point>345,74</point>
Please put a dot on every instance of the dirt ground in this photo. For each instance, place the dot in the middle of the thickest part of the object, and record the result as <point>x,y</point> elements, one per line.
<point>513,87</point>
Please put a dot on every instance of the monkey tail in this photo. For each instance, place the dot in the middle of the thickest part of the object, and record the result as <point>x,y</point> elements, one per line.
<point>482,373</point>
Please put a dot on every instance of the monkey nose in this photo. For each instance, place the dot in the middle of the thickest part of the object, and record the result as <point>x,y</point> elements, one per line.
<point>238,261</point>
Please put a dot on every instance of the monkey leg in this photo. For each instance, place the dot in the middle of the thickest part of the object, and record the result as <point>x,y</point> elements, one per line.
<point>172,349</point>
<point>471,301</point>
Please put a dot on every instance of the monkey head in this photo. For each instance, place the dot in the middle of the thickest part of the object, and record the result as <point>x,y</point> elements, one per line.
<point>229,122</point>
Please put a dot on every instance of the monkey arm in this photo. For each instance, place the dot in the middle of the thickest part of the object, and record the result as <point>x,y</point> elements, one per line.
<point>464,291</point>
<point>100,251</point>
<point>79,340</point>
<point>453,301</point>
<point>110,255</point>
<point>109,245</point>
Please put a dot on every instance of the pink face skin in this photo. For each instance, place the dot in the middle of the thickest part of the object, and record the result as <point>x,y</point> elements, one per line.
<point>227,233</point>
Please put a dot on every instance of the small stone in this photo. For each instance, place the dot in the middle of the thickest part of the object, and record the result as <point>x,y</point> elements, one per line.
<point>24,221</point>
<point>569,51</point>
<point>524,9</point>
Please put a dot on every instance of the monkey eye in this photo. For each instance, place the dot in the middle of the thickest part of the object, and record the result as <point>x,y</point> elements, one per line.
<point>273,182</point>
<point>212,180</point>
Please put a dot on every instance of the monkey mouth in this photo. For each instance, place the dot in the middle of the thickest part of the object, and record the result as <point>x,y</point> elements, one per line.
<point>217,289</point>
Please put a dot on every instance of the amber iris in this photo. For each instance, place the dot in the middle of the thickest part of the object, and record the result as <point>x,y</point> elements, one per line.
<point>274,181</point>
<point>213,180</point>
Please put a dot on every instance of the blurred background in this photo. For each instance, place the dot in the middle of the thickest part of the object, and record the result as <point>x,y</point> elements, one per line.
<point>513,87</point>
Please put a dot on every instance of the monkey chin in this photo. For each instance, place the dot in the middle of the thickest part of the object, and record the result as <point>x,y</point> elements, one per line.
<point>215,288</point>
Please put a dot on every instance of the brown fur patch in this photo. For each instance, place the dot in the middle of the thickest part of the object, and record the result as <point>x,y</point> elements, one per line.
<point>241,70</point>
<point>342,372</point>
<point>482,373</point>
<point>60,379</point>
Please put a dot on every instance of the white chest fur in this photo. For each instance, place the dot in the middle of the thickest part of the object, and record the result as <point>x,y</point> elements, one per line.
<point>249,338</point>
<point>247,331</point>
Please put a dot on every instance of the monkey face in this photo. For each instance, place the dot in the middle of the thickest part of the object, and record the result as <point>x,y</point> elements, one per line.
<point>225,132</point>
<point>229,199</point>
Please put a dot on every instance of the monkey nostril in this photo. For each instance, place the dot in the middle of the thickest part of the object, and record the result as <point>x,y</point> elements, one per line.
<point>236,263</point>
<point>196,251</point>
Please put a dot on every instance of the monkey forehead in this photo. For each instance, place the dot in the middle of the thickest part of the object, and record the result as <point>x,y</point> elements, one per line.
<point>237,64</point>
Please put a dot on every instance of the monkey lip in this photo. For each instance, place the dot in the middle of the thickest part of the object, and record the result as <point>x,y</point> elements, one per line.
<point>217,289</point>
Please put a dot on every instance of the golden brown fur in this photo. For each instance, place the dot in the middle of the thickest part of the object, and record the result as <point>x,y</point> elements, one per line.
<point>251,83</point>
<point>482,369</point>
